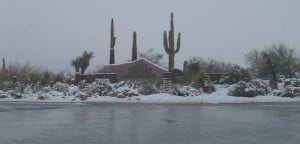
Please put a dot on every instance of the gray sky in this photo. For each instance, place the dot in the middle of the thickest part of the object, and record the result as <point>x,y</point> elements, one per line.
<point>50,33</point>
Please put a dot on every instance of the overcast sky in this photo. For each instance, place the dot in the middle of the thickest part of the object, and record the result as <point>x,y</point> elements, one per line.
<point>50,33</point>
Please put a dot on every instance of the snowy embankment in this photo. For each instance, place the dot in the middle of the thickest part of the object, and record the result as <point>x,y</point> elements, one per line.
<point>218,97</point>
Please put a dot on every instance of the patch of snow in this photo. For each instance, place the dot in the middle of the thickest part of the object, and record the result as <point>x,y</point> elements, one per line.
<point>73,94</point>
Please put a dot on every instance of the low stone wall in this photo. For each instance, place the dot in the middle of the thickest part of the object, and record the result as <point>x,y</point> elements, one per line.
<point>91,77</point>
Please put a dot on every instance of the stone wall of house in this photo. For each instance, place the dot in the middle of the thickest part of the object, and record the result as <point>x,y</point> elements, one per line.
<point>139,69</point>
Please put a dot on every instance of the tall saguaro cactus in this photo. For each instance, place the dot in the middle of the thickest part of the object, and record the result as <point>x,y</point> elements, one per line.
<point>134,47</point>
<point>169,44</point>
<point>3,64</point>
<point>112,43</point>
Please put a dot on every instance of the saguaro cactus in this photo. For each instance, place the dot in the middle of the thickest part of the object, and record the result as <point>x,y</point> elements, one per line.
<point>3,64</point>
<point>169,44</point>
<point>112,43</point>
<point>134,47</point>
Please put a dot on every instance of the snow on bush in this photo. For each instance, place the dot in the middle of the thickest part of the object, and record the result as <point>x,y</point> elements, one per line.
<point>100,86</point>
<point>235,75</point>
<point>60,87</point>
<point>123,92</point>
<point>291,88</point>
<point>185,91</point>
<point>72,90</point>
<point>3,94</point>
<point>146,87</point>
<point>249,89</point>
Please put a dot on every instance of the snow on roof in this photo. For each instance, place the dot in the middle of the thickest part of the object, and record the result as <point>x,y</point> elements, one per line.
<point>154,64</point>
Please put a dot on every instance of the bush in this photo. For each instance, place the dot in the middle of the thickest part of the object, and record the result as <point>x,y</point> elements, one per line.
<point>235,75</point>
<point>100,86</point>
<point>123,92</point>
<point>291,88</point>
<point>185,91</point>
<point>147,87</point>
<point>249,89</point>
<point>60,87</point>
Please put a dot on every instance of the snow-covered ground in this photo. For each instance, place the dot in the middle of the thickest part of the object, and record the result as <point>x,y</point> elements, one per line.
<point>220,96</point>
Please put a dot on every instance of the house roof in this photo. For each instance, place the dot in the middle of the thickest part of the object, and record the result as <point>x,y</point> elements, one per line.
<point>140,59</point>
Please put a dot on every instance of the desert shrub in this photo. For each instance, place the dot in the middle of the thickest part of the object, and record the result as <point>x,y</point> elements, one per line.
<point>100,86</point>
<point>290,92</point>
<point>2,85</point>
<point>236,74</point>
<point>147,87</point>
<point>291,88</point>
<point>249,89</point>
<point>180,90</point>
<point>72,90</point>
<point>60,87</point>
<point>123,92</point>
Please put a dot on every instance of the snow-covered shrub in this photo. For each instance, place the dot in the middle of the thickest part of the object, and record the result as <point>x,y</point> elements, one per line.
<point>185,91</point>
<point>46,89</point>
<point>100,86</point>
<point>81,95</point>
<point>291,88</point>
<point>3,94</point>
<point>82,84</point>
<point>2,86</point>
<point>249,89</point>
<point>290,92</point>
<point>28,91</point>
<point>9,85</point>
<point>147,88</point>
<point>53,94</point>
<point>123,92</point>
<point>60,87</point>
<point>72,90</point>
<point>236,74</point>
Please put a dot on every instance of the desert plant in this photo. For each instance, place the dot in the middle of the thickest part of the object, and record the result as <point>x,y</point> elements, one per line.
<point>3,64</point>
<point>134,47</point>
<point>271,70</point>
<point>112,43</point>
<point>147,87</point>
<point>192,71</point>
<point>169,44</point>
<point>86,58</point>
<point>249,89</point>
<point>235,75</point>
<point>76,63</point>
<point>284,61</point>
<point>81,63</point>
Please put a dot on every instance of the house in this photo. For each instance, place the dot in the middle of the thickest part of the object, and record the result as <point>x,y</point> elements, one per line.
<point>139,69</point>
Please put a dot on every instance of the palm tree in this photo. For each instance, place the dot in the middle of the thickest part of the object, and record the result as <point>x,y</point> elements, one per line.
<point>76,63</point>
<point>81,63</point>
<point>85,60</point>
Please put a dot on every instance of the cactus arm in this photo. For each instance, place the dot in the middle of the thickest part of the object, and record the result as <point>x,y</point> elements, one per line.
<point>178,43</point>
<point>166,45</point>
